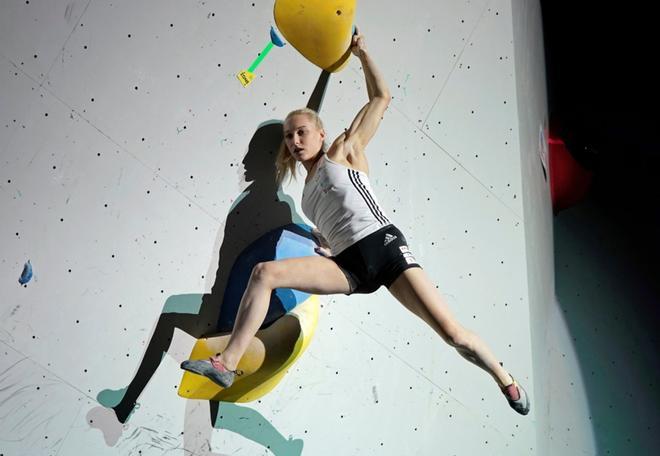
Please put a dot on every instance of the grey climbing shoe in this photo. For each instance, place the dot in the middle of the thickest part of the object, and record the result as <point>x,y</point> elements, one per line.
<point>214,370</point>
<point>517,397</point>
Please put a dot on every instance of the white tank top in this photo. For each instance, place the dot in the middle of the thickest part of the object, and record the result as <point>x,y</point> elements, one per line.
<point>341,203</point>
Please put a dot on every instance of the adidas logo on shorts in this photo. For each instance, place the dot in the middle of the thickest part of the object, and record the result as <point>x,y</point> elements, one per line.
<point>389,238</point>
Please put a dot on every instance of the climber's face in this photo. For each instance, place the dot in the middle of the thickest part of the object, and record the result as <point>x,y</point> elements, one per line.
<point>303,138</point>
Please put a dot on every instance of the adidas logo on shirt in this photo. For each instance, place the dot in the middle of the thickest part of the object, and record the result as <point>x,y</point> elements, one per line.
<point>389,238</point>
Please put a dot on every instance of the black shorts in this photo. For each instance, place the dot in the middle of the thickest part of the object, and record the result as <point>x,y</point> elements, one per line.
<point>376,260</point>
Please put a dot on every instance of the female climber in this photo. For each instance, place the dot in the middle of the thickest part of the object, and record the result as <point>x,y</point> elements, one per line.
<point>360,248</point>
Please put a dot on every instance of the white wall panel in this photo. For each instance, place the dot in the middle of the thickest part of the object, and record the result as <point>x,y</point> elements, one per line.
<point>125,199</point>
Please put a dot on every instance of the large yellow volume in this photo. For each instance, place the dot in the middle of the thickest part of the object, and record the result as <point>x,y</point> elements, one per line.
<point>272,351</point>
<point>319,29</point>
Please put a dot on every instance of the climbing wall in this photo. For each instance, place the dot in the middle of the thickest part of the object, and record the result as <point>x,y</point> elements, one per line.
<point>134,170</point>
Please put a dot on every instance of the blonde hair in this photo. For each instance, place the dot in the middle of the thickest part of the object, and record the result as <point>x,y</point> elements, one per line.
<point>284,162</point>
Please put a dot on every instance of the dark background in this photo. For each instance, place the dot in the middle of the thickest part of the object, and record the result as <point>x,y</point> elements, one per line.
<point>602,81</point>
<point>601,61</point>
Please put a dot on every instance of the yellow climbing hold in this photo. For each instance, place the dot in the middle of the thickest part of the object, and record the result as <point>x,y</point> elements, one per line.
<point>272,351</point>
<point>320,30</point>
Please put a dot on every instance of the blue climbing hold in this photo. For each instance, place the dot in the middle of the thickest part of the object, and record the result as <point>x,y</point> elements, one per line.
<point>275,38</point>
<point>26,275</point>
<point>289,241</point>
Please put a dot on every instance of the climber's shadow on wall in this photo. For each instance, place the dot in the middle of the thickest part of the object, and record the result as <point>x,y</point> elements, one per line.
<point>260,209</point>
<point>255,212</point>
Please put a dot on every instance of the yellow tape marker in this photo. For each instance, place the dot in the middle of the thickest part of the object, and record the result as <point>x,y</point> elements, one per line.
<point>245,77</point>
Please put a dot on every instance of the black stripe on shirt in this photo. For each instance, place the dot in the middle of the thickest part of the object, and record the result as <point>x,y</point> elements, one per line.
<point>362,189</point>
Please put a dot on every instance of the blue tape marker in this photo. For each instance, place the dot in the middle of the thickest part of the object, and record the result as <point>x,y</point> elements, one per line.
<point>26,275</point>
